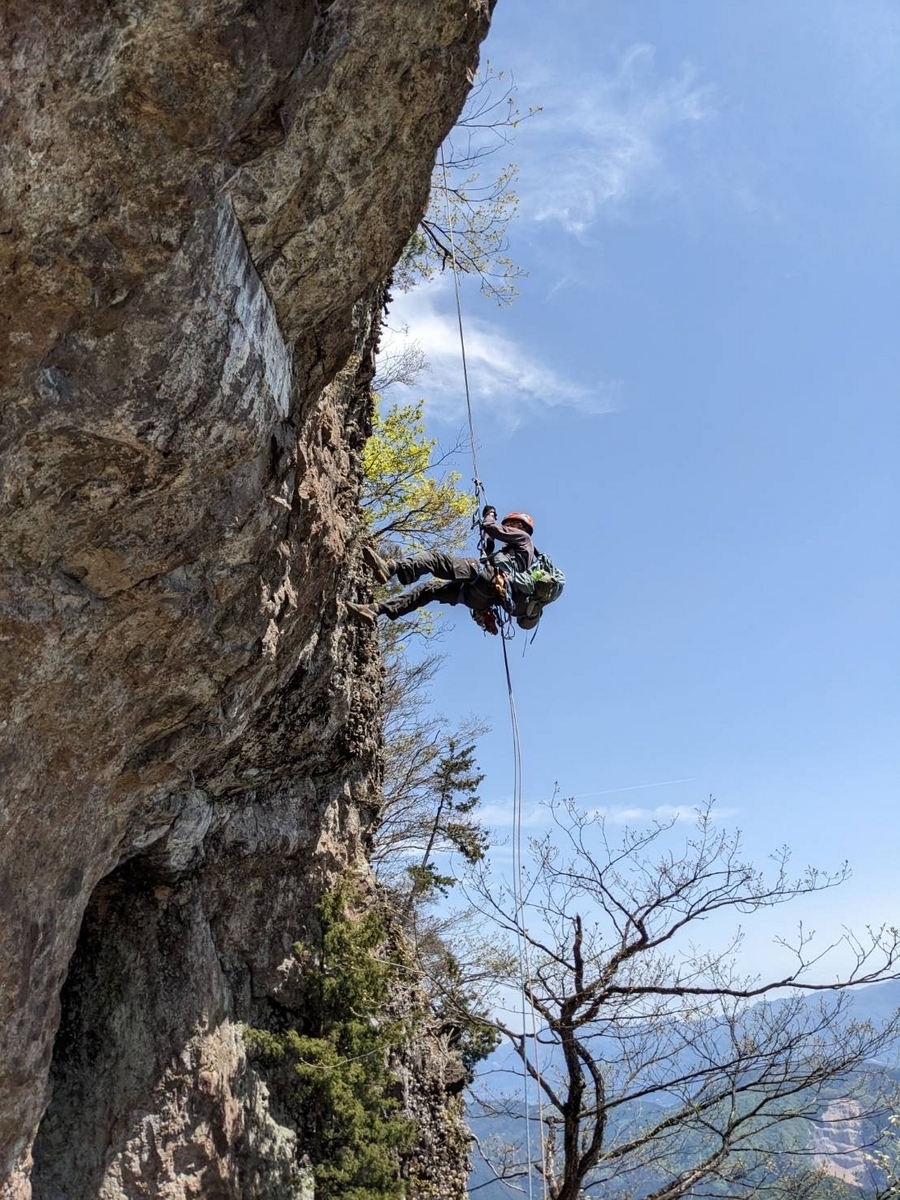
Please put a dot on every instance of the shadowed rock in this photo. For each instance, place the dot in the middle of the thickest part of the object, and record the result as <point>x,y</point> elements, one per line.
<point>198,205</point>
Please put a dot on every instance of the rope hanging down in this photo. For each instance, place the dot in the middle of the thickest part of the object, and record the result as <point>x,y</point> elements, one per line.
<point>479,486</point>
<point>522,939</point>
<point>528,1069</point>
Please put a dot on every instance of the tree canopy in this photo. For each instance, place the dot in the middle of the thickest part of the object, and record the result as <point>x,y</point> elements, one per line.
<point>664,1070</point>
<point>408,498</point>
<point>469,210</point>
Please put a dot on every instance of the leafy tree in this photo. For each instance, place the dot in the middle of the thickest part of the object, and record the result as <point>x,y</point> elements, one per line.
<point>453,989</point>
<point>335,1070</point>
<point>450,826</point>
<point>428,801</point>
<point>429,807</point>
<point>663,1071</point>
<point>477,207</point>
<point>406,499</point>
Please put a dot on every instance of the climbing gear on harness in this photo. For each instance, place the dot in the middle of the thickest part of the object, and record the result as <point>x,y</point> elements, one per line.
<point>523,518</point>
<point>500,587</point>
<point>382,568</point>
<point>365,612</point>
<point>486,619</point>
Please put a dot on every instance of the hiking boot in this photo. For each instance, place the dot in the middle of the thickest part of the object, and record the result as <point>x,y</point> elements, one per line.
<point>381,568</point>
<point>365,612</point>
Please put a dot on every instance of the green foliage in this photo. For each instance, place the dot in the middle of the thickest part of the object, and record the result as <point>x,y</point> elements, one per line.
<point>414,265</point>
<point>474,1035</point>
<point>425,880</point>
<point>339,1087</point>
<point>455,988</point>
<point>405,497</point>
<point>452,828</point>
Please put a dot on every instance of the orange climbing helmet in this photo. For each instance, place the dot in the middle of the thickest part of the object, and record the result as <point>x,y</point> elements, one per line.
<point>523,517</point>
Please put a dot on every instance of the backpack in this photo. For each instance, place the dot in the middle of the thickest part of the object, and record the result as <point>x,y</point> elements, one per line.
<point>548,582</point>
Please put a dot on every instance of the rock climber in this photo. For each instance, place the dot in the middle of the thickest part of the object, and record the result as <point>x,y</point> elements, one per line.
<point>500,579</point>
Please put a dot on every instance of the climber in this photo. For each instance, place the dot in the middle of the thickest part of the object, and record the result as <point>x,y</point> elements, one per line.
<point>500,579</point>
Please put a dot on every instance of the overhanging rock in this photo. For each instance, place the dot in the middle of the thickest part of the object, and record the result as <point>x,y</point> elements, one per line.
<point>199,205</point>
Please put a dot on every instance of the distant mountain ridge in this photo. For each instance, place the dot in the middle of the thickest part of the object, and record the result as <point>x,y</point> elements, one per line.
<point>833,1146</point>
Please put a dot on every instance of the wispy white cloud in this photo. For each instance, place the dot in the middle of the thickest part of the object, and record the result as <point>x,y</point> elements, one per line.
<point>536,815</point>
<point>602,140</point>
<point>634,787</point>
<point>500,816</point>
<point>566,281</point>
<point>615,815</point>
<point>509,382</point>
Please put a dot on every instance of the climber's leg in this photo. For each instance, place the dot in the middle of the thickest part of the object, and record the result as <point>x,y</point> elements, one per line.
<point>436,562</point>
<point>432,591</point>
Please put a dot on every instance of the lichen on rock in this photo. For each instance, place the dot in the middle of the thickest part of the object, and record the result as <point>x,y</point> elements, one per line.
<point>200,204</point>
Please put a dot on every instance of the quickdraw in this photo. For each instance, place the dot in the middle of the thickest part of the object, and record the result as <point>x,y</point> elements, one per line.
<point>494,620</point>
<point>486,619</point>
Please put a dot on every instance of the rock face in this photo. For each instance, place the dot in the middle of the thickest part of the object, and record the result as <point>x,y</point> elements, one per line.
<point>838,1143</point>
<point>198,204</point>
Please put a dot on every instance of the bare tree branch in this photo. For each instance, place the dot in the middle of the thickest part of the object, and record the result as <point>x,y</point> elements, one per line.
<point>651,1062</point>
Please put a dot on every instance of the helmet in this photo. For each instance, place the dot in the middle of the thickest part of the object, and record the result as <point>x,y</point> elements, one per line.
<point>523,517</point>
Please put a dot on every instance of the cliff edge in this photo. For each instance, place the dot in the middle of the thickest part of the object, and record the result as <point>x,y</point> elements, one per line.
<point>199,205</point>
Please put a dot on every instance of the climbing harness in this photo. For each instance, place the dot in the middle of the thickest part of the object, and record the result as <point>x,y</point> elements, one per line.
<point>501,587</point>
<point>489,620</point>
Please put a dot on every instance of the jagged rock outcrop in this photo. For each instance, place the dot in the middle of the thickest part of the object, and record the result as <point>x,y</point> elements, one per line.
<point>840,1142</point>
<point>198,204</point>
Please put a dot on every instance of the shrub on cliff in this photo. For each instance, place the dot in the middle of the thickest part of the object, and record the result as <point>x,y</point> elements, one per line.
<point>334,1072</point>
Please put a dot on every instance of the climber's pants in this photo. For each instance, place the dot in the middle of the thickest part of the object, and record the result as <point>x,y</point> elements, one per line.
<point>435,562</point>
<point>459,581</point>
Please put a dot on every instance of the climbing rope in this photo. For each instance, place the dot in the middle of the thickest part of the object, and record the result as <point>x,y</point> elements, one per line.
<point>522,938</point>
<point>479,487</point>
<point>506,631</point>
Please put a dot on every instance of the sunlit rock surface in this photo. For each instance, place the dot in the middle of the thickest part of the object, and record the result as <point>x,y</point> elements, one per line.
<point>198,205</point>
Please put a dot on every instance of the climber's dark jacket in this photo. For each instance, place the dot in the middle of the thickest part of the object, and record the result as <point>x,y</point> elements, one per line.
<point>516,552</point>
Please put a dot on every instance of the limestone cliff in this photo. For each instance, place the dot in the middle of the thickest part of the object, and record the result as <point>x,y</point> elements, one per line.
<point>199,200</point>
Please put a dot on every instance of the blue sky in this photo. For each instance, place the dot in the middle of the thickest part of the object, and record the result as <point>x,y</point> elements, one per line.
<point>696,397</point>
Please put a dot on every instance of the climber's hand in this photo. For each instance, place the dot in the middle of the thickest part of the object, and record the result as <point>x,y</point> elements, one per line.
<point>488,512</point>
